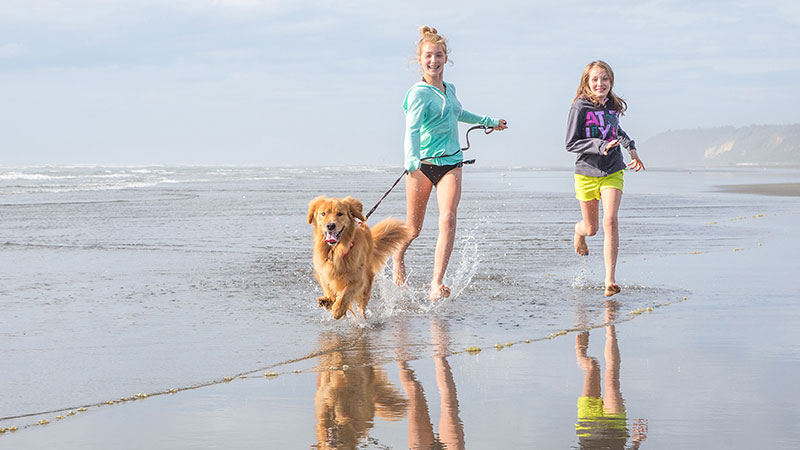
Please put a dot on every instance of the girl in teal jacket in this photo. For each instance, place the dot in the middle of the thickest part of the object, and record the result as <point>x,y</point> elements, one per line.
<point>432,117</point>
<point>433,156</point>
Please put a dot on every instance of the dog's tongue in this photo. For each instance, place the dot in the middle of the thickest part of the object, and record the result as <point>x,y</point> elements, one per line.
<point>330,237</point>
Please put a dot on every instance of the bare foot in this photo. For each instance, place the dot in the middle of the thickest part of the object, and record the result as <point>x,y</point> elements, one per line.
<point>580,244</point>
<point>439,293</point>
<point>399,272</point>
<point>612,288</point>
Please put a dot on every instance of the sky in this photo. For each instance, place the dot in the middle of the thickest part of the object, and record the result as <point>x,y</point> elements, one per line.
<point>320,83</point>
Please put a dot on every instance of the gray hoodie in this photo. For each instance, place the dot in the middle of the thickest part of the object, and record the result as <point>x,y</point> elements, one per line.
<point>589,128</point>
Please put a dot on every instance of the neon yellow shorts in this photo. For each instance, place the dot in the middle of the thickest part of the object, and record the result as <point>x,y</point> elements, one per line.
<point>588,188</point>
<point>593,419</point>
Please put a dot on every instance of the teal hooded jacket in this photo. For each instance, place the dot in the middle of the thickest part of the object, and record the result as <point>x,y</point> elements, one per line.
<point>432,118</point>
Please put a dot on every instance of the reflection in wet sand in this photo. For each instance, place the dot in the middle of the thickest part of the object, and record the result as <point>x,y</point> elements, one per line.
<point>420,426</point>
<point>348,400</point>
<point>602,417</point>
<point>352,391</point>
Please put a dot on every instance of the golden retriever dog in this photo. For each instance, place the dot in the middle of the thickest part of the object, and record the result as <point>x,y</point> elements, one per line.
<point>347,254</point>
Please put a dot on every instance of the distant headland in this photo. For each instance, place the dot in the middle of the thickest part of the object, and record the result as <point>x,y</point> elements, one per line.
<point>755,145</point>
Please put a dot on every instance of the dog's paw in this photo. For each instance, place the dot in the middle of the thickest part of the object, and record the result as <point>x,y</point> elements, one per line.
<point>325,302</point>
<point>338,311</point>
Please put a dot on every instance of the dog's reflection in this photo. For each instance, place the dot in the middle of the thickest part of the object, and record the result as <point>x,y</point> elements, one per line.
<point>420,426</point>
<point>602,417</point>
<point>347,401</point>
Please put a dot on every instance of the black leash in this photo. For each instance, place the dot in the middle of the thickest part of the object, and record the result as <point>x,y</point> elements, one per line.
<point>384,195</point>
<point>486,130</point>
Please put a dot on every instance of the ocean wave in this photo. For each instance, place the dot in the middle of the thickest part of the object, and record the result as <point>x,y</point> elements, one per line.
<point>58,179</point>
<point>83,187</point>
<point>11,176</point>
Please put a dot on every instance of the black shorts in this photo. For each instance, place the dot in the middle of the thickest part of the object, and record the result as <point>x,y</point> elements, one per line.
<point>435,173</point>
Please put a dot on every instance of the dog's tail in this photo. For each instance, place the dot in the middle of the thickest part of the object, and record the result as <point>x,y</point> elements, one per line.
<point>388,235</point>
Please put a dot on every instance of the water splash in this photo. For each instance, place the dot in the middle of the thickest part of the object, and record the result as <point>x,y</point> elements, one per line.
<point>582,279</point>
<point>468,264</point>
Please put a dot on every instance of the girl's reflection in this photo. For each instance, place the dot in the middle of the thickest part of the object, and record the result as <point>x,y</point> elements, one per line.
<point>420,427</point>
<point>602,419</point>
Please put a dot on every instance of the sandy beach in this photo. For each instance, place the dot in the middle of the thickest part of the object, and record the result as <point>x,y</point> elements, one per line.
<point>707,360</point>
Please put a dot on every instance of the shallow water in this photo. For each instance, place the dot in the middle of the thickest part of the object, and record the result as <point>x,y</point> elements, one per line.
<point>120,281</point>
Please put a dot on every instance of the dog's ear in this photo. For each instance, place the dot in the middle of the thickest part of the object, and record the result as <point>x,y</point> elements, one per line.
<point>355,207</point>
<point>312,207</point>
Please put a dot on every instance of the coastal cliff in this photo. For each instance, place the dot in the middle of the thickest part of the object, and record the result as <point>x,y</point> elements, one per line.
<point>758,145</point>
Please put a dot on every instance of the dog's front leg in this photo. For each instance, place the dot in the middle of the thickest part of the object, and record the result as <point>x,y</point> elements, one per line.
<point>342,303</point>
<point>326,301</point>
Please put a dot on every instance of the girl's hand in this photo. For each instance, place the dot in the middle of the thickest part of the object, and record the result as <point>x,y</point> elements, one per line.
<point>636,164</point>
<point>502,126</point>
<point>609,145</point>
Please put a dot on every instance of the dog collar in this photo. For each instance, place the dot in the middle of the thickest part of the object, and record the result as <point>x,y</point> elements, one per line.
<point>348,250</point>
<point>345,253</point>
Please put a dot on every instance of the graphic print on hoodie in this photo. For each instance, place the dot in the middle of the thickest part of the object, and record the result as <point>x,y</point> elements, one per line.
<point>601,124</point>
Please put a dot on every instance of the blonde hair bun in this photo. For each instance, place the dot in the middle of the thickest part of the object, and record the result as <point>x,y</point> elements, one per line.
<point>427,30</point>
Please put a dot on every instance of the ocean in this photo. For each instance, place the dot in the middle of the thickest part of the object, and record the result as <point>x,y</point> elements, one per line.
<point>121,281</point>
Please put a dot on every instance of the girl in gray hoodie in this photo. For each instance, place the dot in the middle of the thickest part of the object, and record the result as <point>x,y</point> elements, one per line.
<point>594,134</point>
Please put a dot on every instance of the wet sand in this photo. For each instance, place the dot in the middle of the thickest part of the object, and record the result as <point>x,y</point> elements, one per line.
<point>777,189</point>
<point>716,370</point>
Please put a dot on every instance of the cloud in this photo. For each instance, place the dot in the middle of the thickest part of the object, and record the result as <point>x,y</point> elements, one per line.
<point>11,51</point>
